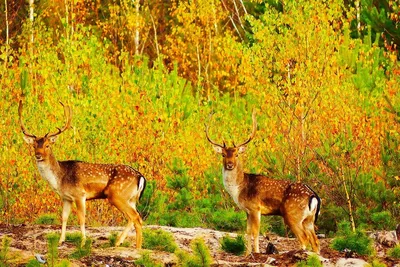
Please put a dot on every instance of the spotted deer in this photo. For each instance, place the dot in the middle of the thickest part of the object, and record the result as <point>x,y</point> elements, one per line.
<point>260,195</point>
<point>76,181</point>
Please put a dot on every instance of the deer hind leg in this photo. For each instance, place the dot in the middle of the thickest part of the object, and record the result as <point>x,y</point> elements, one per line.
<point>300,232</point>
<point>308,225</point>
<point>65,214</point>
<point>253,229</point>
<point>133,220</point>
<point>81,208</point>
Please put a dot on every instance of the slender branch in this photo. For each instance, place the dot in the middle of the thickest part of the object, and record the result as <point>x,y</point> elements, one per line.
<point>7,33</point>
<point>155,33</point>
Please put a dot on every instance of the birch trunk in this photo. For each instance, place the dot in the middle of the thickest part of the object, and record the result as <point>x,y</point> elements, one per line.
<point>137,33</point>
<point>31,16</point>
<point>7,33</point>
<point>349,205</point>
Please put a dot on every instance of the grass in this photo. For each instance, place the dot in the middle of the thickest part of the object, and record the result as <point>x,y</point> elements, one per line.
<point>159,240</point>
<point>356,241</point>
<point>394,252</point>
<point>235,246</point>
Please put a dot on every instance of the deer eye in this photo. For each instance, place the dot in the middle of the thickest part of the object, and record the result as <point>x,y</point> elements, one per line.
<point>223,155</point>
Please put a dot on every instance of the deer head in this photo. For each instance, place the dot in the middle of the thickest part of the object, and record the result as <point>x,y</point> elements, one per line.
<point>230,154</point>
<point>42,145</point>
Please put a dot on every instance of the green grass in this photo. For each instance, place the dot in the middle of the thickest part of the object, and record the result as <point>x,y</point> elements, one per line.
<point>49,219</point>
<point>200,256</point>
<point>80,251</point>
<point>146,261</point>
<point>356,241</point>
<point>394,252</point>
<point>158,239</point>
<point>312,261</point>
<point>235,246</point>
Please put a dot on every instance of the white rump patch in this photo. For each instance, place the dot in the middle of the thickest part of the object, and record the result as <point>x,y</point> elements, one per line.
<point>313,204</point>
<point>142,180</point>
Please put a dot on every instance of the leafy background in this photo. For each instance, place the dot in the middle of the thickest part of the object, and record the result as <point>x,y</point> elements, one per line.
<point>142,78</point>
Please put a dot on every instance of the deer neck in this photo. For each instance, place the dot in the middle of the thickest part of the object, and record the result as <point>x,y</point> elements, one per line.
<point>50,171</point>
<point>233,180</point>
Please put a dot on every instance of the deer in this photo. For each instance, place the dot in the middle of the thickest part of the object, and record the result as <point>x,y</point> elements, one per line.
<point>77,181</point>
<point>258,195</point>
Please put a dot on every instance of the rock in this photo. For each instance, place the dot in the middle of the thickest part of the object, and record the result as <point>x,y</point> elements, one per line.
<point>385,238</point>
<point>321,236</point>
<point>271,249</point>
<point>350,263</point>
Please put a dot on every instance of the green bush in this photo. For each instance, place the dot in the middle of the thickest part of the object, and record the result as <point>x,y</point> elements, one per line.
<point>235,246</point>
<point>394,252</point>
<point>81,250</point>
<point>159,240</point>
<point>201,256</point>
<point>228,220</point>
<point>273,224</point>
<point>312,261</point>
<point>112,240</point>
<point>376,263</point>
<point>5,246</point>
<point>33,263</point>
<point>146,261</point>
<point>356,241</point>
<point>52,248</point>
<point>382,220</point>
<point>49,219</point>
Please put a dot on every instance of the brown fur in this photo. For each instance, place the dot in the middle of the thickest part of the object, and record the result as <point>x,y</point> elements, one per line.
<point>77,181</point>
<point>259,195</point>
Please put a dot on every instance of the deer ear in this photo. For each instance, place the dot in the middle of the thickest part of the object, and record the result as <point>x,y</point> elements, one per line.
<point>241,149</point>
<point>52,139</point>
<point>218,149</point>
<point>29,139</point>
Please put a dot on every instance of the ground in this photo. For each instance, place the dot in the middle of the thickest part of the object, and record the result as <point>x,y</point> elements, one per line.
<point>29,241</point>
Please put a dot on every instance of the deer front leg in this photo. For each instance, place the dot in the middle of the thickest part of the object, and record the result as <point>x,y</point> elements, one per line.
<point>81,207</point>
<point>65,214</point>
<point>253,229</point>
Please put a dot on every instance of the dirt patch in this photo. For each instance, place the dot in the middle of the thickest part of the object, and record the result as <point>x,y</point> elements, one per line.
<point>29,241</point>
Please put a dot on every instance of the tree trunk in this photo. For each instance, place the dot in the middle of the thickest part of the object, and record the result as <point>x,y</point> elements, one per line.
<point>7,33</point>
<point>137,36</point>
<point>31,16</point>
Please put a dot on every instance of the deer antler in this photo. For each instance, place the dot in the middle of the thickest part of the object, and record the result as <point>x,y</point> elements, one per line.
<point>20,121</point>
<point>67,114</point>
<point>211,141</point>
<point>253,133</point>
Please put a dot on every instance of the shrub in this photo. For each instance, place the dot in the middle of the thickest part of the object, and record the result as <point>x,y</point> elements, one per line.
<point>394,252</point>
<point>112,241</point>
<point>236,245</point>
<point>5,246</point>
<point>47,219</point>
<point>273,224</point>
<point>376,263</point>
<point>356,241</point>
<point>52,248</point>
<point>146,261</point>
<point>159,240</point>
<point>201,256</point>
<point>312,261</point>
<point>81,250</point>
<point>228,220</point>
<point>382,220</point>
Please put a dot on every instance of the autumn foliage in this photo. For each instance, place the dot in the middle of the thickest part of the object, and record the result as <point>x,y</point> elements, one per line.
<point>142,78</point>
